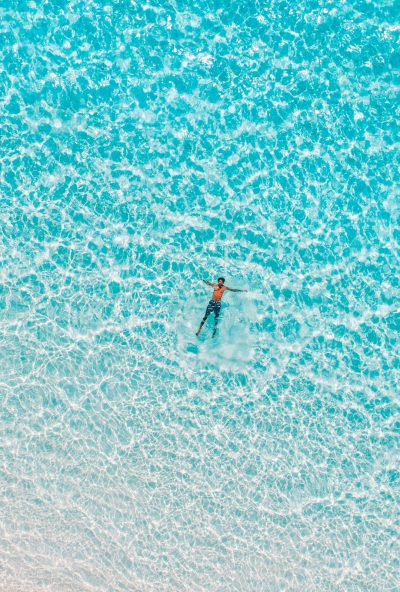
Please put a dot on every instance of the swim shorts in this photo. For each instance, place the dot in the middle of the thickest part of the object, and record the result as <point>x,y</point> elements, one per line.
<point>213,306</point>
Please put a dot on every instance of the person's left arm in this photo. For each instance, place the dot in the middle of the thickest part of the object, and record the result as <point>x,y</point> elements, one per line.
<point>234,290</point>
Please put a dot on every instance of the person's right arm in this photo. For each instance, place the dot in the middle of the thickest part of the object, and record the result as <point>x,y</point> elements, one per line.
<point>208,283</point>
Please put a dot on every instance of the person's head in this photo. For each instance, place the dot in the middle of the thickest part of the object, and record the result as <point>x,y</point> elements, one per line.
<point>221,281</point>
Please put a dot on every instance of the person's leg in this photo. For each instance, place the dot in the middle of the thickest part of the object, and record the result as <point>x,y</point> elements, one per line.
<point>208,310</point>
<point>217,310</point>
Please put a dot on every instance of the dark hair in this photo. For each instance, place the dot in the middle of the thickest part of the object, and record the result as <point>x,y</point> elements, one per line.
<point>223,279</point>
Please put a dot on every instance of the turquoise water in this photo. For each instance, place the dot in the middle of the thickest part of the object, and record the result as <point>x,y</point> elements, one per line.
<point>145,147</point>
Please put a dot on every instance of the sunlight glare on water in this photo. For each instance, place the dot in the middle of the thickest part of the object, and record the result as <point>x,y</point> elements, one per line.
<point>145,147</point>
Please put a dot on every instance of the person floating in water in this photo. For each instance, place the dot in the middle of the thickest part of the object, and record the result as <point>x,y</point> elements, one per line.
<point>215,303</point>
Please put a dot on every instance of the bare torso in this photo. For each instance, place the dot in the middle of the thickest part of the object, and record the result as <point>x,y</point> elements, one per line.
<point>218,292</point>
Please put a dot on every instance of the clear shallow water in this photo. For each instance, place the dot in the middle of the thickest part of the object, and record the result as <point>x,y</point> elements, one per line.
<point>144,148</point>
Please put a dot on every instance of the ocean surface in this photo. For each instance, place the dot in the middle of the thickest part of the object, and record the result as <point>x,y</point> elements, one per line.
<point>145,147</point>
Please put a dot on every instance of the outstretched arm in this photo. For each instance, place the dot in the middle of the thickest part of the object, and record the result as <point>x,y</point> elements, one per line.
<point>208,283</point>
<point>233,290</point>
